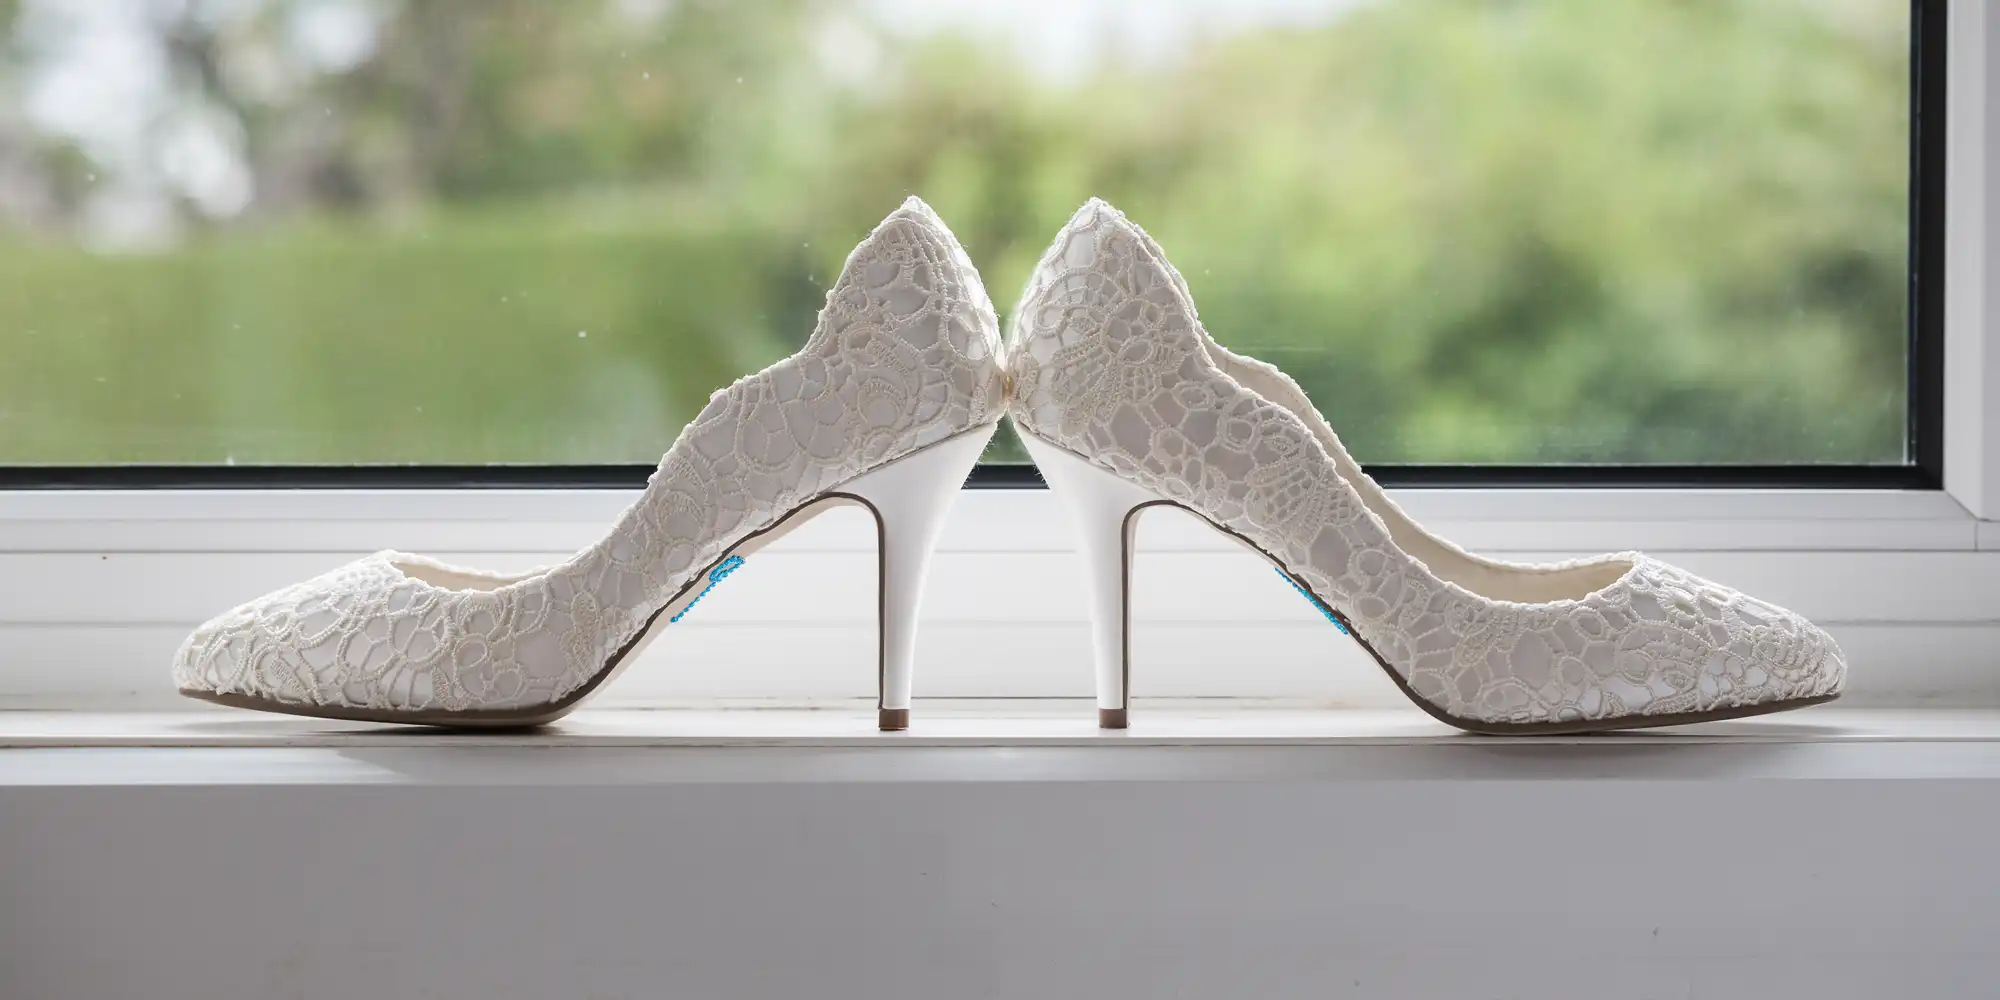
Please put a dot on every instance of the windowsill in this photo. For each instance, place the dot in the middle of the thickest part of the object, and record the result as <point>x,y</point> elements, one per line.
<point>1004,742</point>
<point>968,723</point>
<point>1358,847</point>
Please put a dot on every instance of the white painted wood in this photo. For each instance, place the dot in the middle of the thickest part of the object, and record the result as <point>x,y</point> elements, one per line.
<point>1799,869</point>
<point>1157,722</point>
<point>1972,260</point>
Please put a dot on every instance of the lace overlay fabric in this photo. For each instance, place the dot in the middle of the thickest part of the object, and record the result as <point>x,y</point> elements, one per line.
<point>904,355</point>
<point>1108,360</point>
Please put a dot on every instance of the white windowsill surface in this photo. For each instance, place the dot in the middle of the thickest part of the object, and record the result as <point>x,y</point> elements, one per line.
<point>997,849</point>
<point>975,741</point>
<point>968,723</point>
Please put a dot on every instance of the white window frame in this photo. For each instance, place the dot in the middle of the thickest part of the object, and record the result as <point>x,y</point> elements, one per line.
<point>98,586</point>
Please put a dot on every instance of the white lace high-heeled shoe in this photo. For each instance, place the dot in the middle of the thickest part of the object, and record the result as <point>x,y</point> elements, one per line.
<point>1126,403</point>
<point>888,405</point>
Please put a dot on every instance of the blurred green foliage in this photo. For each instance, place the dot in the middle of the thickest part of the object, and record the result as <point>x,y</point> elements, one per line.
<point>1527,231</point>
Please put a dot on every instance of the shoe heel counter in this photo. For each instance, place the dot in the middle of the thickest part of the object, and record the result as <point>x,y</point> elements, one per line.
<point>903,355</point>
<point>916,277</point>
<point>1101,304</point>
<point>973,326</point>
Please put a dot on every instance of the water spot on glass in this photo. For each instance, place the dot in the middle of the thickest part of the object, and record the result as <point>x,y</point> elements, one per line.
<point>739,79</point>
<point>645,75</point>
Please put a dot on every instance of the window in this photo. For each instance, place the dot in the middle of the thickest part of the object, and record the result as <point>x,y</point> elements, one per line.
<point>339,233</point>
<point>360,243</point>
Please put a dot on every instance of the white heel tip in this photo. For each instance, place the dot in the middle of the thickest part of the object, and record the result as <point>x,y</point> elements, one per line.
<point>1110,718</point>
<point>895,719</point>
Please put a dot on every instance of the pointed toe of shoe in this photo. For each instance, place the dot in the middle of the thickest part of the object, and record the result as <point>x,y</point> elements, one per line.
<point>1738,651</point>
<point>1802,659</point>
<point>285,649</point>
<point>1775,656</point>
<point>231,656</point>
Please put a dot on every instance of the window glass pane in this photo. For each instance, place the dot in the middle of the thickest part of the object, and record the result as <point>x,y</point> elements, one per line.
<point>525,231</point>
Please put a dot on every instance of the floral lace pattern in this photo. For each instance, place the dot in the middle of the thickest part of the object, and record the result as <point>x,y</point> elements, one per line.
<point>1108,360</point>
<point>904,356</point>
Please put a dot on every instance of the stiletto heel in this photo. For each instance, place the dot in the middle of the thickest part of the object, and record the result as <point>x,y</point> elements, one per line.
<point>909,498</point>
<point>888,404</point>
<point>1125,402</point>
<point>1103,509</point>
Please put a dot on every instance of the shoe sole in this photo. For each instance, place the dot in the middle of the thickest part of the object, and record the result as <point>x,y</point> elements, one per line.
<point>888,719</point>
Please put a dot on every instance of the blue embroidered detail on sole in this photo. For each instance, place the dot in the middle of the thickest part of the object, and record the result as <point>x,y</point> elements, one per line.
<point>722,569</point>
<point>1303,592</point>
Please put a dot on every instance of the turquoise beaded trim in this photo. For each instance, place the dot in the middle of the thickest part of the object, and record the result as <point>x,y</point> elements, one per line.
<point>1323,609</point>
<point>726,567</point>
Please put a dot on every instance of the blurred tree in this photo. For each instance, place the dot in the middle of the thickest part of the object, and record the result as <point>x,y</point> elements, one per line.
<point>502,230</point>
